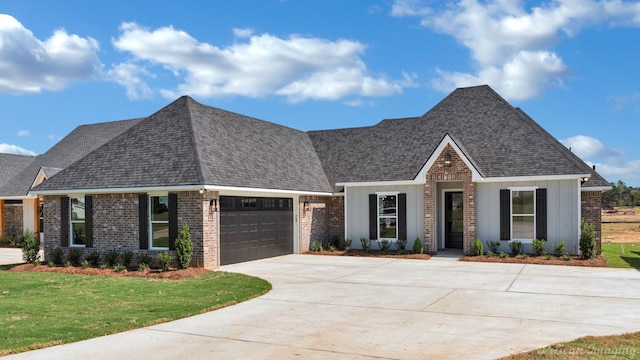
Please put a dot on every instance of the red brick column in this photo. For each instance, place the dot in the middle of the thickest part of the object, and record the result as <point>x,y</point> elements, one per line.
<point>591,211</point>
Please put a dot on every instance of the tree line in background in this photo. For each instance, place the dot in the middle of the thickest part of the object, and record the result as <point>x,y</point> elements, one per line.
<point>620,195</point>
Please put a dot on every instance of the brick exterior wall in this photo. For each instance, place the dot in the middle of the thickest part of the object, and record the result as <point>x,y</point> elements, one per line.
<point>13,216</point>
<point>210,222</point>
<point>336,216</point>
<point>591,206</point>
<point>458,172</point>
<point>115,225</point>
<point>323,221</point>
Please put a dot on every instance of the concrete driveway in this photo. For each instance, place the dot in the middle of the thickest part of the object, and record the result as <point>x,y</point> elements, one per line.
<point>10,256</point>
<point>352,308</point>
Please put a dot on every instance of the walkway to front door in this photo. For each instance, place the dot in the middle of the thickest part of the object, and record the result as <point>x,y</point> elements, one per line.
<point>453,220</point>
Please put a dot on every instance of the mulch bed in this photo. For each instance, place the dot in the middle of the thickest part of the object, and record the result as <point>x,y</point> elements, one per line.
<point>373,253</point>
<point>172,274</point>
<point>540,260</point>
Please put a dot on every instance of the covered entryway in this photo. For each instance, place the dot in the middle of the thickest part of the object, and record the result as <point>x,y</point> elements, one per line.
<point>453,220</point>
<point>254,228</point>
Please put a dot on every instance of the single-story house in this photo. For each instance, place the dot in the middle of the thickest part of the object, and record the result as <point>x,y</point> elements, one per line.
<point>471,167</point>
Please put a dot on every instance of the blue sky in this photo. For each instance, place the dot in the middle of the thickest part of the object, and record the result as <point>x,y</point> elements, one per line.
<point>571,65</point>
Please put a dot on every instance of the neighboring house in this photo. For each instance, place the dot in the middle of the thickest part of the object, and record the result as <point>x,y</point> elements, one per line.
<point>471,167</point>
<point>11,209</point>
<point>20,210</point>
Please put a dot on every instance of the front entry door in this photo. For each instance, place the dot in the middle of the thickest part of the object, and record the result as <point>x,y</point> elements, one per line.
<point>453,220</point>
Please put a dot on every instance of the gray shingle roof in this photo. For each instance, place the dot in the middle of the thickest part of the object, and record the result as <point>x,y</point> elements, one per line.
<point>499,140</point>
<point>11,164</point>
<point>187,143</point>
<point>81,141</point>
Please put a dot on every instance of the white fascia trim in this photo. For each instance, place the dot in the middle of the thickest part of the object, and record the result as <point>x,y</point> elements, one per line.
<point>118,190</point>
<point>596,188</point>
<point>18,197</point>
<point>259,190</point>
<point>40,177</point>
<point>447,140</point>
<point>536,178</point>
<point>165,189</point>
<point>380,183</point>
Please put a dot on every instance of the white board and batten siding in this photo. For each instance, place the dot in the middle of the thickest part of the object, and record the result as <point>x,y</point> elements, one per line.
<point>563,211</point>
<point>357,211</point>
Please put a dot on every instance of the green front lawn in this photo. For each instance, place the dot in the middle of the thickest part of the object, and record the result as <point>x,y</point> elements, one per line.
<point>622,255</point>
<point>45,309</point>
<point>625,346</point>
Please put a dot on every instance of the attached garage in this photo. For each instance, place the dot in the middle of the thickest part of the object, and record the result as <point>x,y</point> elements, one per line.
<point>254,228</point>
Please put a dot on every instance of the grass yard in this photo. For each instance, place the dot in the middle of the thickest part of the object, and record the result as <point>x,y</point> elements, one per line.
<point>45,309</point>
<point>622,255</point>
<point>626,346</point>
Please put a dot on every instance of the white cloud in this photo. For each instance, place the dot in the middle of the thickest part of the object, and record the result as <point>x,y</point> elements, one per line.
<point>409,8</point>
<point>509,44</point>
<point>609,161</point>
<point>297,67</point>
<point>22,133</point>
<point>622,100</point>
<point>243,33</point>
<point>587,147</point>
<point>30,65</point>
<point>130,77</point>
<point>15,149</point>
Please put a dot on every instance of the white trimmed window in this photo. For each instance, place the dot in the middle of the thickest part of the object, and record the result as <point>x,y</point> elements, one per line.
<point>77,227</point>
<point>159,222</point>
<point>523,214</point>
<point>388,216</point>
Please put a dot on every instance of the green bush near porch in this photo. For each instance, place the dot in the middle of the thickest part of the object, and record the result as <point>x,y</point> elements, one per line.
<point>46,309</point>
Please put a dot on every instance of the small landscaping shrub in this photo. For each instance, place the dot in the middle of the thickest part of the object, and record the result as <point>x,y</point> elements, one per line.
<point>494,246</point>
<point>384,244</point>
<point>560,249</point>
<point>74,256</point>
<point>516,247</point>
<point>478,249</point>
<point>51,264</point>
<point>104,266</point>
<point>539,247</point>
<point>548,257</point>
<point>525,256</point>
<point>332,248</point>
<point>111,258</point>
<point>67,263</point>
<point>57,256</point>
<point>418,248</point>
<point>347,244</point>
<point>490,253</point>
<point>365,242</point>
<point>566,257</point>
<point>504,255</point>
<point>144,258</point>
<point>93,258</point>
<point>118,267</point>
<point>30,247</point>
<point>85,264</point>
<point>587,240</point>
<point>165,260</point>
<point>142,266</point>
<point>335,241</point>
<point>184,247</point>
<point>316,246</point>
<point>401,245</point>
<point>126,257</point>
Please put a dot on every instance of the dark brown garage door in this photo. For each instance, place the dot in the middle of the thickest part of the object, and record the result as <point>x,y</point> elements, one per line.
<point>254,228</point>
